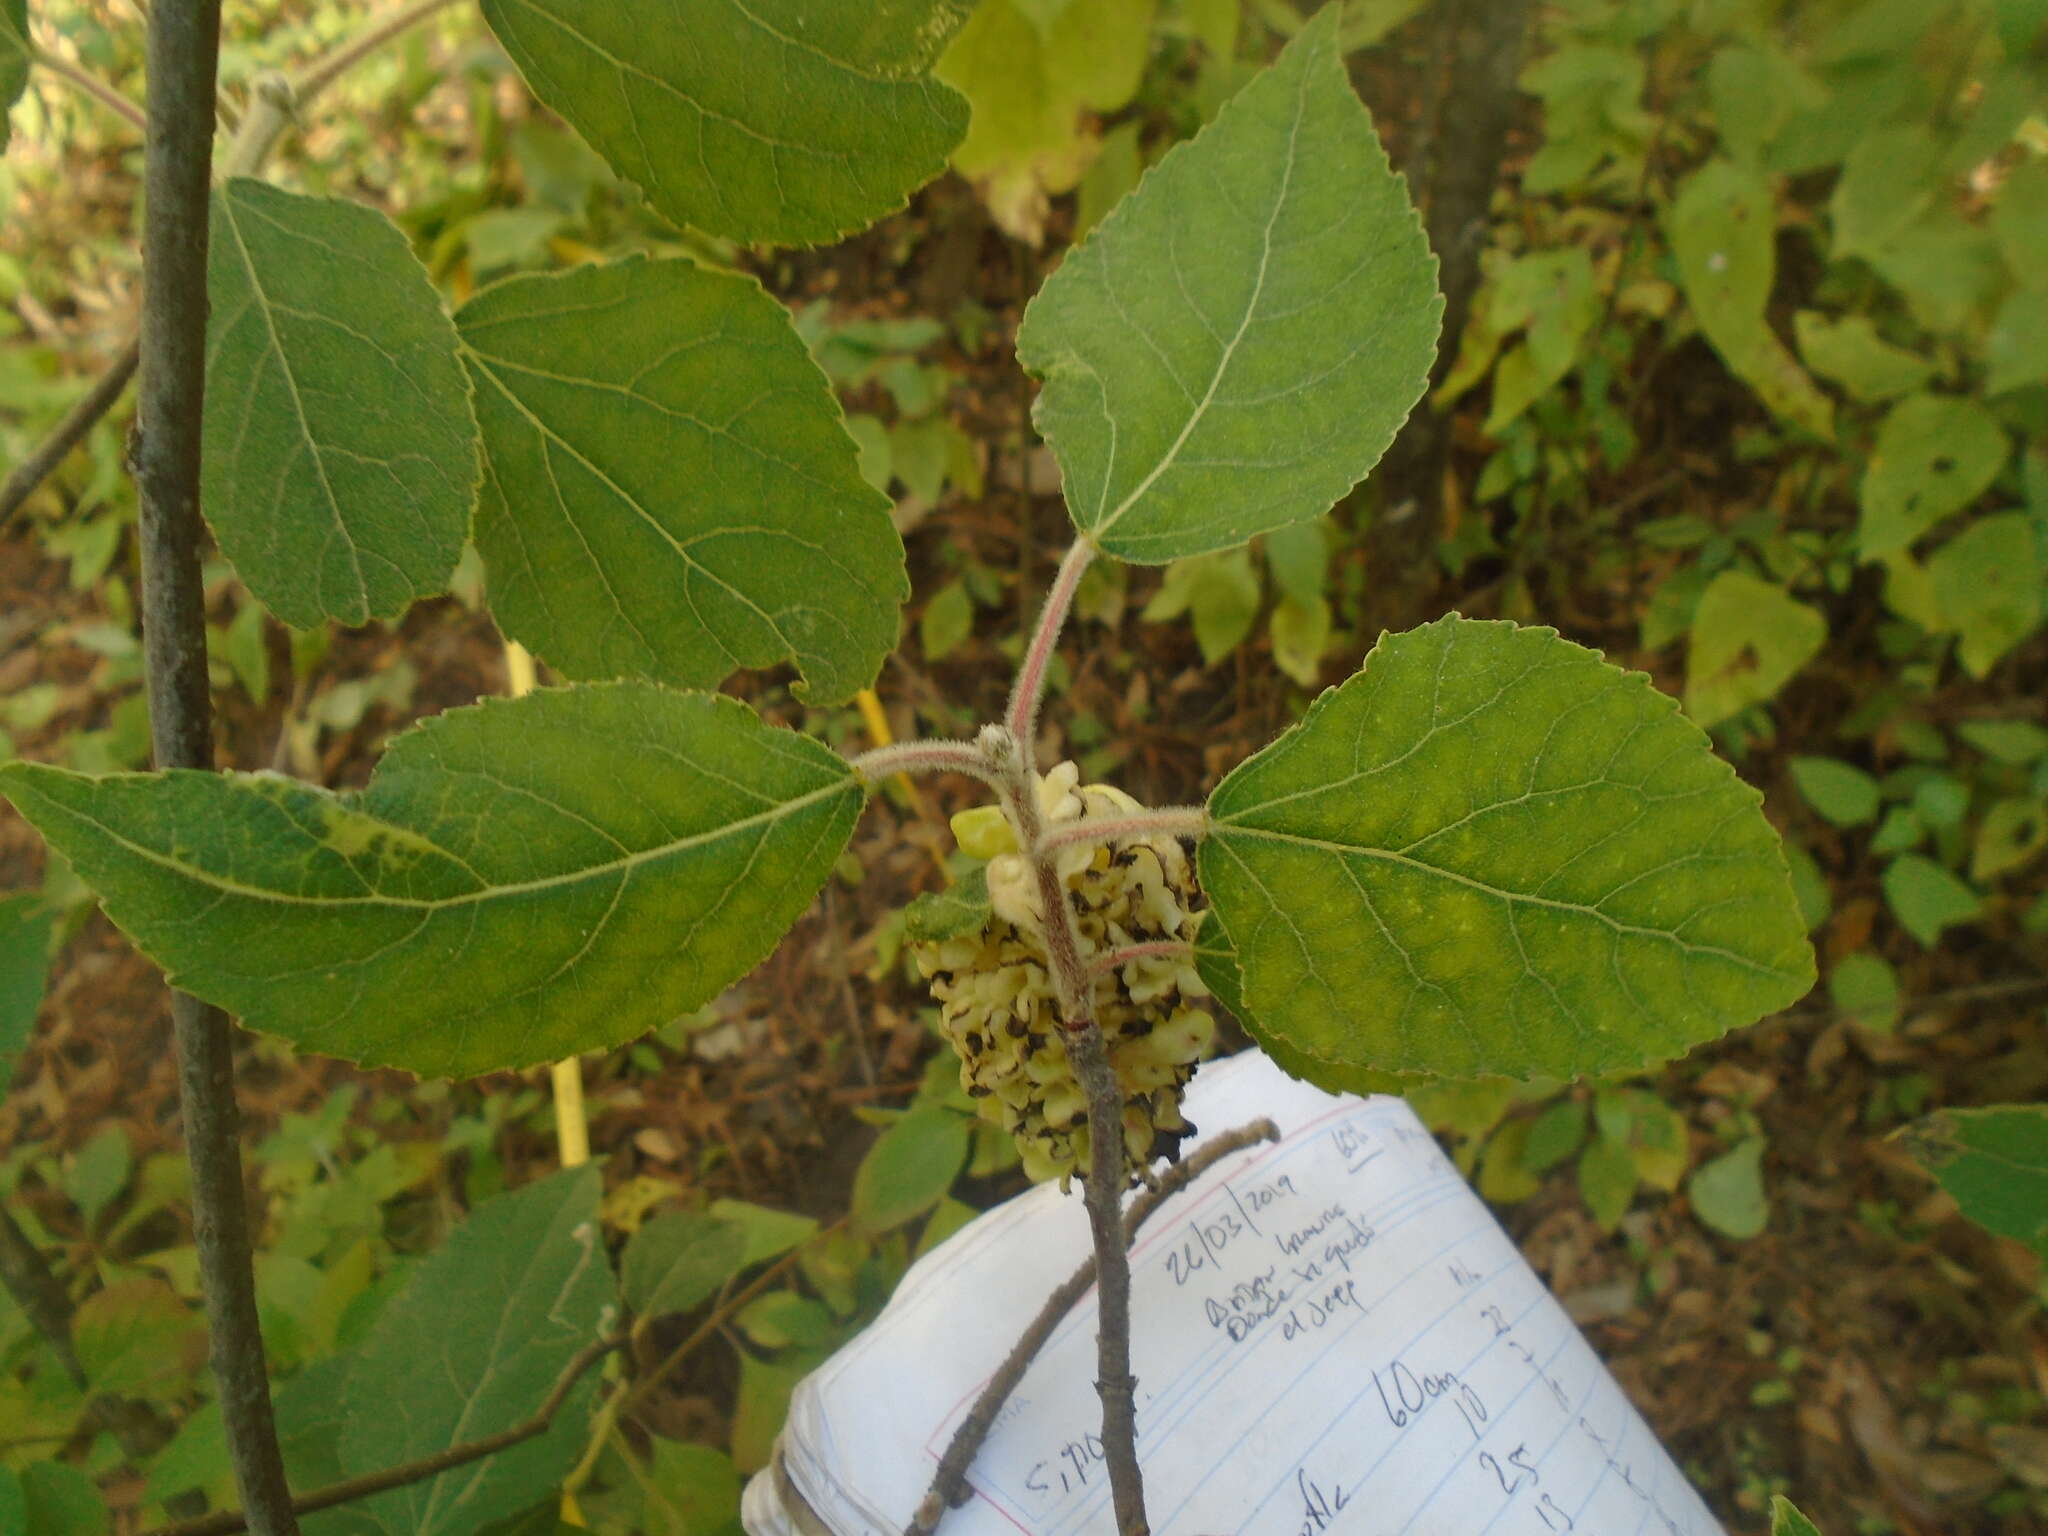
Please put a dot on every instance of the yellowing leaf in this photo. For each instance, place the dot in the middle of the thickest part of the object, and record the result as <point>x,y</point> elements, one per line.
<point>1029,74</point>
<point>1490,852</point>
<point>521,881</point>
<point>1934,455</point>
<point>1748,639</point>
<point>1723,229</point>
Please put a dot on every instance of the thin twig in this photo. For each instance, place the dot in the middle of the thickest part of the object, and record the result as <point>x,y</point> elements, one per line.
<point>1154,821</point>
<point>1022,715</point>
<point>323,71</point>
<point>632,1397</point>
<point>95,403</point>
<point>91,85</point>
<point>36,1290</point>
<point>226,1522</point>
<point>949,1483</point>
<point>182,59</point>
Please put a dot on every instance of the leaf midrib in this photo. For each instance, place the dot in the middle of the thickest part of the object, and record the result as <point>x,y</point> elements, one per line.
<point>264,306</point>
<point>1167,459</point>
<point>490,892</point>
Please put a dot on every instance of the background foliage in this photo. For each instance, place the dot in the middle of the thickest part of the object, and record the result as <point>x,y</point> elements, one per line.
<point>1752,395</point>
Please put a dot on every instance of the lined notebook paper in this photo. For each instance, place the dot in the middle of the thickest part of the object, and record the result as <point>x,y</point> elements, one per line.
<point>1331,1334</point>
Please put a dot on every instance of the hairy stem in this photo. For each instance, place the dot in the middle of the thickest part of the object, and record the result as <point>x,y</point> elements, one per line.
<point>1022,716</point>
<point>1102,1190</point>
<point>879,763</point>
<point>226,1522</point>
<point>1156,821</point>
<point>1112,959</point>
<point>949,1486</point>
<point>91,85</point>
<point>183,54</point>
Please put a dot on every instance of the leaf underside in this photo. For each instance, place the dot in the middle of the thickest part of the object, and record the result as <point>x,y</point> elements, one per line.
<point>482,1331</point>
<point>1492,853</point>
<point>1236,345</point>
<point>669,492</point>
<point>521,881</point>
<point>340,453</point>
<point>785,122</point>
<point>1994,1162</point>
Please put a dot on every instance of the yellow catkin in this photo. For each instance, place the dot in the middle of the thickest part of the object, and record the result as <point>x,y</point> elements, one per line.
<point>995,995</point>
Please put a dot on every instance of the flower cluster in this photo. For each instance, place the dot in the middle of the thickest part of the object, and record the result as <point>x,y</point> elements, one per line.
<point>995,989</point>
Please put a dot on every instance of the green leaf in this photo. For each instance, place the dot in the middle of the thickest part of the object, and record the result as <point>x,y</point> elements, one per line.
<point>1841,792</point>
<point>1990,582</point>
<point>947,621</point>
<point>340,457</point>
<point>1216,964</point>
<point>99,1172</point>
<point>1809,887</point>
<point>2012,833</point>
<point>768,122</point>
<point>1723,231</point>
<point>1849,351</point>
<point>939,915</point>
<point>483,1330</point>
<point>60,1500</point>
<point>2014,349</point>
<point>909,1168</point>
<point>138,1337</point>
<point>2020,218</point>
<point>1555,1135</point>
<point>1994,1163</point>
<point>1748,638</point>
<point>1787,1521</point>
<point>1030,81</point>
<point>1728,1193</point>
<point>2012,742</point>
<point>1866,988</point>
<point>694,1490</point>
<point>25,925</point>
<point>1219,592</point>
<point>668,490</point>
<point>1934,455</point>
<point>761,1410</point>
<point>1926,898</point>
<point>1607,1181</point>
<point>1887,180</point>
<point>1504,1175</point>
<point>768,1231</point>
<point>521,881</point>
<point>1300,636</point>
<point>677,1259</point>
<point>312,1416</point>
<point>1237,343</point>
<point>14,58</point>
<point>1490,852</point>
